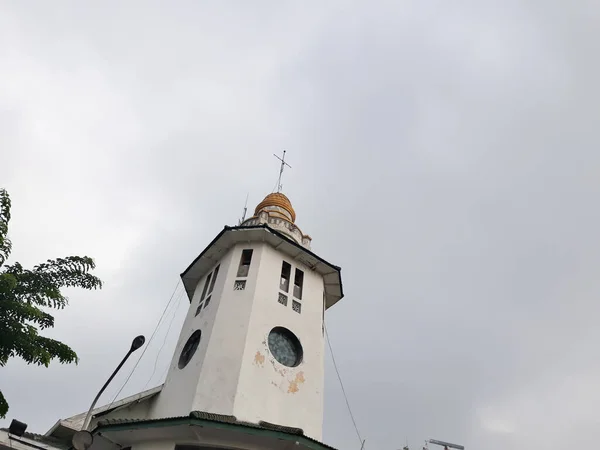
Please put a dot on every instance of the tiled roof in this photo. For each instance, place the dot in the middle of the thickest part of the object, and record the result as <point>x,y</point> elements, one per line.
<point>217,418</point>
<point>76,422</point>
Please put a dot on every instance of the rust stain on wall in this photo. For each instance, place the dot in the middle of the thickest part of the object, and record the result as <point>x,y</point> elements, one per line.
<point>294,384</point>
<point>259,359</point>
<point>281,372</point>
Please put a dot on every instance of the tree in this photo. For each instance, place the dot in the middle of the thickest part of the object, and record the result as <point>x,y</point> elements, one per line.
<point>25,296</point>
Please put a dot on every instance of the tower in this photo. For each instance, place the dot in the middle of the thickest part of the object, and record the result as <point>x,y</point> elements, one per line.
<point>252,343</point>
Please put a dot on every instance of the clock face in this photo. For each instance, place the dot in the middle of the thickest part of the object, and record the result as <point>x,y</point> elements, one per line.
<point>285,347</point>
<point>189,349</point>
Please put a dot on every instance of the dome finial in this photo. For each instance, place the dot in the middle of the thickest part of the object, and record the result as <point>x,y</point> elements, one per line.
<point>278,205</point>
<point>283,164</point>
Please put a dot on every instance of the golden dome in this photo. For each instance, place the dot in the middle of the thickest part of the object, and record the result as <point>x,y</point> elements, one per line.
<point>274,201</point>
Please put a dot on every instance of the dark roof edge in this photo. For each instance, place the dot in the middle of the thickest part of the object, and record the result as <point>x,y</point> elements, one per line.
<point>276,233</point>
<point>194,419</point>
<point>217,237</point>
<point>37,438</point>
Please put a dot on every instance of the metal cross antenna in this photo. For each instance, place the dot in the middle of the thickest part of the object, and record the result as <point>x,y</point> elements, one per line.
<point>283,164</point>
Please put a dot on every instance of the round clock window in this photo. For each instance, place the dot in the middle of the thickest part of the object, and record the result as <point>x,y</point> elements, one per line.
<point>189,349</point>
<point>285,347</point>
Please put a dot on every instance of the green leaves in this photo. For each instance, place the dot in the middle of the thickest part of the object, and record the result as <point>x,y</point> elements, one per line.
<point>24,296</point>
<point>42,285</point>
<point>5,244</point>
<point>3,406</point>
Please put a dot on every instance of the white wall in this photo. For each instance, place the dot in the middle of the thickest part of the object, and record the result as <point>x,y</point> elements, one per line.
<point>177,397</point>
<point>220,373</point>
<point>233,371</point>
<point>268,390</point>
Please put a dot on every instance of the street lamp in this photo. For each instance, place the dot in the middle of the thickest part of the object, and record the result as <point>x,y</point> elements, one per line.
<point>83,439</point>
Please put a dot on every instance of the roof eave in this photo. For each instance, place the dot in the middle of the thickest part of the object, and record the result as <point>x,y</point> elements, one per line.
<point>106,427</point>
<point>74,423</point>
<point>331,273</point>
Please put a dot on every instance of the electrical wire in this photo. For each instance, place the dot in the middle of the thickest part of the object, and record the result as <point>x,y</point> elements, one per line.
<point>162,377</point>
<point>147,345</point>
<point>342,386</point>
<point>167,333</point>
<point>177,304</point>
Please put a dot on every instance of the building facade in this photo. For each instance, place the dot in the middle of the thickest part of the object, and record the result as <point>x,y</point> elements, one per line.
<point>248,368</point>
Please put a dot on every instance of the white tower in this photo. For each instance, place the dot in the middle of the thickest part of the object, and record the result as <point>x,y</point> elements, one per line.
<point>252,344</point>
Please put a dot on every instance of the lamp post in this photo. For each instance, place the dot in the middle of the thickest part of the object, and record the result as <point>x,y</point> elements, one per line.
<point>83,439</point>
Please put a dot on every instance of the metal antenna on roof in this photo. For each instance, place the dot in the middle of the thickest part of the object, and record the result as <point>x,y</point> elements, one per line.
<point>446,445</point>
<point>245,210</point>
<point>283,164</point>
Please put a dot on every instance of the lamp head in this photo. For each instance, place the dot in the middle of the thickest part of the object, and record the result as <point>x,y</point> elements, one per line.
<point>82,440</point>
<point>137,343</point>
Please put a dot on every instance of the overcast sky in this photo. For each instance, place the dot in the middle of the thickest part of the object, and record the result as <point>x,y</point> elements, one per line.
<point>444,154</point>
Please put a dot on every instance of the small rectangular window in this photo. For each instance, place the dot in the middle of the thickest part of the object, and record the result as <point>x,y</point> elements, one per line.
<point>206,284</point>
<point>297,306</point>
<point>214,279</point>
<point>298,282</point>
<point>282,299</point>
<point>199,308</point>
<point>245,261</point>
<point>286,271</point>
<point>239,285</point>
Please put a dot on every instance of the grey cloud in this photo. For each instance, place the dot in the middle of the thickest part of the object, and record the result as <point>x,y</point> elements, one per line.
<point>443,155</point>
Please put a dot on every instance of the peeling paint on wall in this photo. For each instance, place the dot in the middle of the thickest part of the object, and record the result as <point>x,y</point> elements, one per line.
<point>281,372</point>
<point>294,384</point>
<point>259,359</point>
